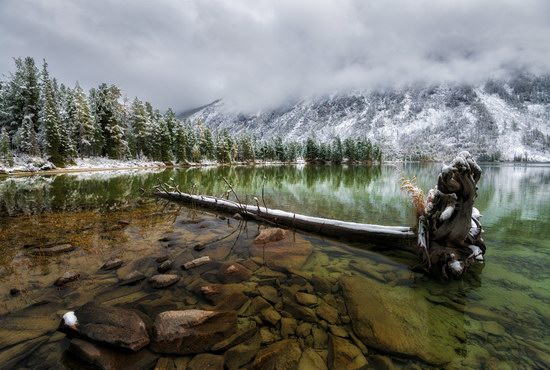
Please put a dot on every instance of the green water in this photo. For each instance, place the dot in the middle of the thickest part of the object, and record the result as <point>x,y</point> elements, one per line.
<point>512,289</point>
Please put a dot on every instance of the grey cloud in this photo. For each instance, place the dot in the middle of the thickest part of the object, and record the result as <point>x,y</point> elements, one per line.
<point>263,52</point>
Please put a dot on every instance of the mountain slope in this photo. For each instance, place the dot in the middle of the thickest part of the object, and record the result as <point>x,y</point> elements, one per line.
<point>500,119</point>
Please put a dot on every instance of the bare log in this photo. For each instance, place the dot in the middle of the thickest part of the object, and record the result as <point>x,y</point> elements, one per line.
<point>401,237</point>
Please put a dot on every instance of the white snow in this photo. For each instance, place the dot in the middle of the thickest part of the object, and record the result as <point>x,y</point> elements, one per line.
<point>447,213</point>
<point>70,319</point>
<point>476,252</point>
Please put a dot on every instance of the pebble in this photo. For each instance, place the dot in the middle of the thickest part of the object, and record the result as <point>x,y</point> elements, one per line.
<point>165,266</point>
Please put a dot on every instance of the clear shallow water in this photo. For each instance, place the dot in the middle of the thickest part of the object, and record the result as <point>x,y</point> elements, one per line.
<point>512,289</point>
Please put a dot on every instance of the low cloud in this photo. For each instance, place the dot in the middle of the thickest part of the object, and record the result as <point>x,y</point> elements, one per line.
<point>261,53</point>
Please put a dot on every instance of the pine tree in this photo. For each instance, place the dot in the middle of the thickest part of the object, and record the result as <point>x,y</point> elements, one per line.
<point>350,151</point>
<point>140,127</point>
<point>337,151</point>
<point>28,142</point>
<point>280,154</point>
<point>108,115</point>
<point>85,138</point>
<point>312,151</point>
<point>6,157</point>
<point>51,121</point>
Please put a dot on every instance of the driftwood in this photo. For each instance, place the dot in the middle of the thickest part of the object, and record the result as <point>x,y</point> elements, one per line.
<point>449,232</point>
<point>401,237</point>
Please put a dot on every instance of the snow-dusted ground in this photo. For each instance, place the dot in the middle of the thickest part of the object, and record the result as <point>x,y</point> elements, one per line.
<point>25,163</point>
<point>101,162</point>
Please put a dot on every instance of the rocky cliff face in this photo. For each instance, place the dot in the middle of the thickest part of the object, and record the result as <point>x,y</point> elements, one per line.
<point>504,120</point>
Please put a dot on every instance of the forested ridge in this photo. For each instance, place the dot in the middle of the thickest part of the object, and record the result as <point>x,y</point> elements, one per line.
<point>42,118</point>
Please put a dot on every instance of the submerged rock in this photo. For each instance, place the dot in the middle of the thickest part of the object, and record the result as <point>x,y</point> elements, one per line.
<point>233,273</point>
<point>196,262</point>
<point>67,278</point>
<point>163,280</point>
<point>112,264</point>
<point>191,331</point>
<point>414,328</point>
<point>270,235</point>
<point>281,249</point>
<point>132,278</point>
<point>111,325</point>
<point>283,355</point>
<point>243,353</point>
<point>109,359</point>
<point>165,266</point>
<point>307,299</point>
<point>344,355</point>
<point>311,360</point>
<point>206,361</point>
<point>52,250</point>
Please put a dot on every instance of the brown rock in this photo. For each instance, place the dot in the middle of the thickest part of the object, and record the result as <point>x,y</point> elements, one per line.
<point>233,301</point>
<point>320,338</point>
<point>67,278</point>
<point>163,280</point>
<point>311,360</point>
<point>300,312</point>
<point>132,278</point>
<point>206,361</point>
<point>257,305</point>
<point>243,353</point>
<point>112,264</point>
<point>307,299</point>
<point>111,325</point>
<point>191,331</point>
<point>327,312</point>
<point>270,315</point>
<point>290,251</point>
<point>269,293</point>
<point>344,355</point>
<point>405,331</point>
<point>246,329</point>
<point>233,273</point>
<point>165,266</point>
<point>109,359</point>
<point>304,329</point>
<point>52,250</point>
<point>271,235</point>
<point>283,355</point>
<point>320,284</point>
<point>380,362</point>
<point>288,326</point>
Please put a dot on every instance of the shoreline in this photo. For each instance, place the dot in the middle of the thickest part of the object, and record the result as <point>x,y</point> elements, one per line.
<point>59,171</point>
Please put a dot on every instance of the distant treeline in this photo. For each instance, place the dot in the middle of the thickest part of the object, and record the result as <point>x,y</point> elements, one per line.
<point>42,118</point>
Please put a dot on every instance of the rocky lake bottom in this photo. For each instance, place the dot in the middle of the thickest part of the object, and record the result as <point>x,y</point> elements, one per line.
<point>156,284</point>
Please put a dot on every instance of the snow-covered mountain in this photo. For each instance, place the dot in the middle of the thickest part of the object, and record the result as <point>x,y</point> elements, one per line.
<point>504,120</point>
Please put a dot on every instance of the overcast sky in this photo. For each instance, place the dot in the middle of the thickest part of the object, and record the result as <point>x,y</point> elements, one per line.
<point>261,52</point>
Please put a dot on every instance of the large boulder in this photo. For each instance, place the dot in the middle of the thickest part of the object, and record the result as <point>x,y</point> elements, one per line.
<point>111,325</point>
<point>281,248</point>
<point>400,320</point>
<point>191,331</point>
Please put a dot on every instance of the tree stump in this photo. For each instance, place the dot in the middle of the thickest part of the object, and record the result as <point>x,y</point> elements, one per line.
<point>449,233</point>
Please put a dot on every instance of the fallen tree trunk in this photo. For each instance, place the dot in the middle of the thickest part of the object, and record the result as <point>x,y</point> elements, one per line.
<point>401,237</point>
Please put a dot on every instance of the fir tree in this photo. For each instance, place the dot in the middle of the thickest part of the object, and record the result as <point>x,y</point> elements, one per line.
<point>6,156</point>
<point>51,121</point>
<point>312,150</point>
<point>108,113</point>
<point>28,139</point>
<point>85,135</point>
<point>140,127</point>
<point>337,151</point>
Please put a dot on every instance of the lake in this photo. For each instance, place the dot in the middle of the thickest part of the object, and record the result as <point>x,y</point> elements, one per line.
<point>496,317</point>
